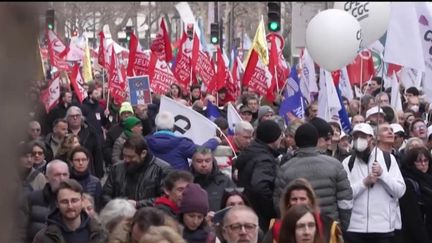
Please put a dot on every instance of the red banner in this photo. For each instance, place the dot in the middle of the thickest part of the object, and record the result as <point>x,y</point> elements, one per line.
<point>256,75</point>
<point>77,82</point>
<point>161,76</point>
<point>362,63</point>
<point>182,69</point>
<point>116,82</point>
<point>57,52</point>
<point>161,46</point>
<point>51,95</point>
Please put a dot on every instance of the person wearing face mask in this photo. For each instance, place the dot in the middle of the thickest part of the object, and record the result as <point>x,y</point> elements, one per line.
<point>377,184</point>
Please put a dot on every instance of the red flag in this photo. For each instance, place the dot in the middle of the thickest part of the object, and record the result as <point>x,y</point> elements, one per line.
<point>201,63</point>
<point>57,51</point>
<point>160,74</point>
<point>162,44</point>
<point>139,59</point>
<point>237,72</point>
<point>182,69</point>
<point>116,82</point>
<point>51,95</point>
<point>101,54</point>
<point>273,61</point>
<point>393,68</point>
<point>354,69</point>
<point>256,75</point>
<point>221,76</point>
<point>77,82</point>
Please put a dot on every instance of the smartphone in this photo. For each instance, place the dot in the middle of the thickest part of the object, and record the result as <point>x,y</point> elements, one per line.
<point>219,215</point>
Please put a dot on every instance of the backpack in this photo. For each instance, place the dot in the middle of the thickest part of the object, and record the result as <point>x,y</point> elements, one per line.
<point>387,160</point>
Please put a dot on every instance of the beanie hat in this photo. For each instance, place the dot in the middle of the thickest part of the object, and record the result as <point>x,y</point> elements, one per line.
<point>194,200</point>
<point>264,110</point>
<point>129,123</point>
<point>306,135</point>
<point>126,106</point>
<point>268,131</point>
<point>324,129</point>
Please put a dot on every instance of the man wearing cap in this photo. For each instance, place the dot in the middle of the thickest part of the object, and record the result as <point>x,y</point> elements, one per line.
<point>265,113</point>
<point>257,167</point>
<point>377,184</point>
<point>375,116</point>
<point>325,173</point>
<point>246,113</point>
<point>126,110</point>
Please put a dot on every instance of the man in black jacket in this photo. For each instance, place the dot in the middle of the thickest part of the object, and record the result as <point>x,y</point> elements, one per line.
<point>94,113</point>
<point>38,204</point>
<point>257,166</point>
<point>139,177</point>
<point>87,138</point>
<point>207,174</point>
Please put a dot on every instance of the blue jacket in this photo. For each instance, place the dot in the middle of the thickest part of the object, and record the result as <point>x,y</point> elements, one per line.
<point>175,150</point>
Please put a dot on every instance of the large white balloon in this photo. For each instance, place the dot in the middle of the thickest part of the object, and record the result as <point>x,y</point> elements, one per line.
<point>333,38</point>
<point>374,18</point>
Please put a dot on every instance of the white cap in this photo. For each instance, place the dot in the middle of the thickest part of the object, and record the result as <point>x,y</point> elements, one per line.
<point>429,131</point>
<point>374,110</point>
<point>397,128</point>
<point>364,128</point>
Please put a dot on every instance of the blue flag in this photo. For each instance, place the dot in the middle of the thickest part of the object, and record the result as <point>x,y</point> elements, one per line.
<point>293,99</point>
<point>212,111</point>
<point>343,116</point>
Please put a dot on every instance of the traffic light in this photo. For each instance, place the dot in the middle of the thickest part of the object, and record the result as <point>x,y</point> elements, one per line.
<point>274,16</point>
<point>214,33</point>
<point>75,32</point>
<point>49,18</point>
<point>128,31</point>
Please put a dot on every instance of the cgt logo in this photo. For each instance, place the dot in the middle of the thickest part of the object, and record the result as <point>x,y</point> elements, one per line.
<point>428,34</point>
<point>359,10</point>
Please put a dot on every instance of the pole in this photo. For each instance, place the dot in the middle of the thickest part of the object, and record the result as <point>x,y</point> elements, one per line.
<point>361,81</point>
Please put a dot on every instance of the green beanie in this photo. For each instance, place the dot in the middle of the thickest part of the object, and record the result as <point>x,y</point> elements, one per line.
<point>129,123</point>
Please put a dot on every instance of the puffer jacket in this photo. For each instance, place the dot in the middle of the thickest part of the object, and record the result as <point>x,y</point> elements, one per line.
<point>34,211</point>
<point>90,184</point>
<point>57,232</point>
<point>328,178</point>
<point>257,167</point>
<point>174,149</point>
<point>215,184</point>
<point>145,182</point>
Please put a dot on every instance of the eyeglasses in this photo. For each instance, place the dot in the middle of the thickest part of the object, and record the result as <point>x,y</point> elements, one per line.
<point>419,127</point>
<point>235,189</point>
<point>236,228</point>
<point>34,153</point>
<point>74,116</point>
<point>36,129</point>
<point>422,161</point>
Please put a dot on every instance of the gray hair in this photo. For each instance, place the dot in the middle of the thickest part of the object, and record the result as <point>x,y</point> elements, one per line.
<point>74,108</point>
<point>164,120</point>
<point>115,211</point>
<point>243,126</point>
<point>53,163</point>
<point>412,140</point>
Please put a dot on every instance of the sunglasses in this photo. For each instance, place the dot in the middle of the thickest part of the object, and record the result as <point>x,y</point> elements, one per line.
<point>235,189</point>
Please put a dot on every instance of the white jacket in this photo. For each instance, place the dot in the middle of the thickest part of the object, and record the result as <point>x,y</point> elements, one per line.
<point>375,209</point>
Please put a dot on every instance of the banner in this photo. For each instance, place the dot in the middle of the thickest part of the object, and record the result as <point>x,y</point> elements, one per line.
<point>257,75</point>
<point>116,83</point>
<point>57,52</point>
<point>201,63</point>
<point>139,59</point>
<point>139,90</point>
<point>188,123</point>
<point>183,67</point>
<point>161,76</point>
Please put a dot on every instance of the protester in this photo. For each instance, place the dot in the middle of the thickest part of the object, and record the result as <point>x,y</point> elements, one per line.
<point>161,234</point>
<point>70,142</point>
<point>79,158</point>
<point>240,224</point>
<point>30,178</point>
<point>54,139</point>
<point>131,126</point>
<point>38,155</point>
<point>114,213</point>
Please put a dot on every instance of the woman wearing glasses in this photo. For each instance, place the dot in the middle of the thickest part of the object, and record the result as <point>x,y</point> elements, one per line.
<point>416,203</point>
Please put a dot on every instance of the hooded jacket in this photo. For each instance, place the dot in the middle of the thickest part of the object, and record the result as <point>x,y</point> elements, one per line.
<point>175,150</point>
<point>90,231</point>
<point>215,184</point>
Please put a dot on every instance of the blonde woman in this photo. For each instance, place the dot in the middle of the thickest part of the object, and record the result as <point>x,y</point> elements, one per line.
<point>71,141</point>
<point>161,234</point>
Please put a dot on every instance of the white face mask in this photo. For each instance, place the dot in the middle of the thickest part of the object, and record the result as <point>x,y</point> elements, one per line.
<point>361,144</point>
<point>415,108</point>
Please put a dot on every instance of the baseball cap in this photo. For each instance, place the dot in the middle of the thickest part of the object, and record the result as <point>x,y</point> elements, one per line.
<point>364,128</point>
<point>245,108</point>
<point>374,110</point>
<point>398,128</point>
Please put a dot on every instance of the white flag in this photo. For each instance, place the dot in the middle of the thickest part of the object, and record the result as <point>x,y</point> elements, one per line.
<point>308,82</point>
<point>424,13</point>
<point>328,100</point>
<point>189,123</point>
<point>403,41</point>
<point>233,117</point>
<point>396,101</point>
<point>410,77</point>
<point>345,84</point>
<point>76,48</point>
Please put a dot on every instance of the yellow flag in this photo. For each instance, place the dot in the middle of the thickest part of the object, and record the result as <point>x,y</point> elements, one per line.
<point>42,71</point>
<point>259,43</point>
<point>87,68</point>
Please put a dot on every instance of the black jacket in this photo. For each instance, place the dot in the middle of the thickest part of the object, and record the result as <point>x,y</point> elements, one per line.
<point>95,116</point>
<point>143,185</point>
<point>215,184</point>
<point>34,211</point>
<point>59,111</point>
<point>90,231</point>
<point>257,166</point>
<point>89,139</point>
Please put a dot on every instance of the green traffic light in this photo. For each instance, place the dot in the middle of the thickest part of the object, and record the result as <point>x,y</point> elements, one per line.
<point>214,40</point>
<point>128,38</point>
<point>50,26</point>
<point>274,26</point>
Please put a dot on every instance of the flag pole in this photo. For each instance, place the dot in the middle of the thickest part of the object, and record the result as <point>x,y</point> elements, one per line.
<point>361,80</point>
<point>226,138</point>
